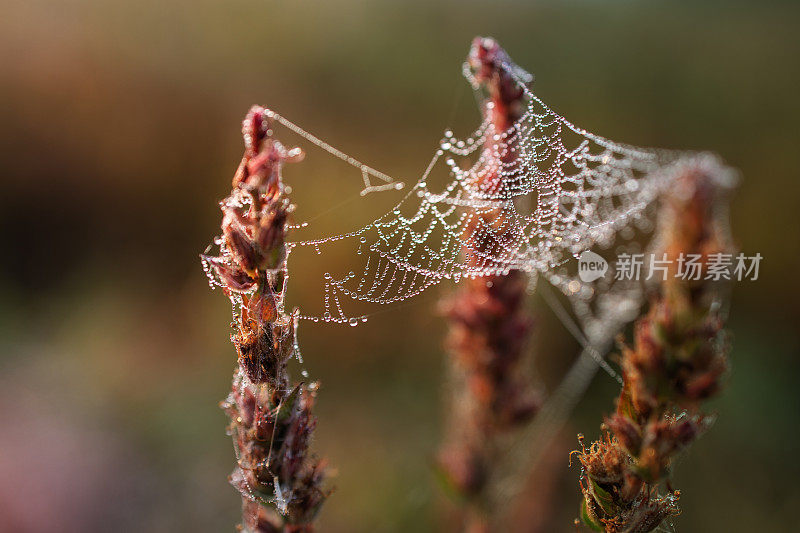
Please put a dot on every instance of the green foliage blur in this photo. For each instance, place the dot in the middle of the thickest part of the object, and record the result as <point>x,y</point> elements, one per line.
<point>120,132</point>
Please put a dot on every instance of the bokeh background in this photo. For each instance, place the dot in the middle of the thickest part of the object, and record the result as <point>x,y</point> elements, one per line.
<point>120,132</point>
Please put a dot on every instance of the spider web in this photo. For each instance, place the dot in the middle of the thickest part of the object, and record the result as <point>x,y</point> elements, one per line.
<point>530,198</point>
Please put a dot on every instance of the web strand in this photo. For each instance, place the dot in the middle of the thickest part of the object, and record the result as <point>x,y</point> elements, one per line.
<point>366,171</point>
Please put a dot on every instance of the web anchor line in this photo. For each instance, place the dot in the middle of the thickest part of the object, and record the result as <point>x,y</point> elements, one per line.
<point>366,171</point>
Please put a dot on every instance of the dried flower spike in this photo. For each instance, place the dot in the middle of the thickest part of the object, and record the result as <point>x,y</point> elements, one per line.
<point>271,418</point>
<point>677,360</point>
<point>488,328</point>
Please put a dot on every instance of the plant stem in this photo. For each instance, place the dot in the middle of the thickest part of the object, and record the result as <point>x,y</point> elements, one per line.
<point>488,328</point>
<point>271,418</point>
<point>677,360</point>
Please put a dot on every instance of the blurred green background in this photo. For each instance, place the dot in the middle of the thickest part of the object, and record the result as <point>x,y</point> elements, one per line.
<point>120,132</point>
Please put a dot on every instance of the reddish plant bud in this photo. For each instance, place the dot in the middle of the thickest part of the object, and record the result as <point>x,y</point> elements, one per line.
<point>648,355</point>
<point>264,426</point>
<point>233,277</point>
<point>706,384</point>
<point>519,406</point>
<point>241,174</point>
<point>487,59</point>
<point>626,431</point>
<point>242,248</point>
<point>686,430</point>
<point>639,401</point>
<point>255,129</point>
<point>631,487</point>
<point>490,66</point>
<point>240,406</point>
<point>271,230</point>
<point>256,519</point>
<point>294,155</point>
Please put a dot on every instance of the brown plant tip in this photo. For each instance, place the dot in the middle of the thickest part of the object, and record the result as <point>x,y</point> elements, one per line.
<point>271,418</point>
<point>490,66</point>
<point>232,276</point>
<point>628,434</point>
<point>677,359</point>
<point>614,499</point>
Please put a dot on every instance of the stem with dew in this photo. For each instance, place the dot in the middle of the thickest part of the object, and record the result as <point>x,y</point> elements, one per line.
<point>676,361</point>
<point>271,418</point>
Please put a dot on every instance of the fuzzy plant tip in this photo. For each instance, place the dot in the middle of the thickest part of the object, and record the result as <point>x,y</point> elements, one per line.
<point>271,415</point>
<point>676,360</point>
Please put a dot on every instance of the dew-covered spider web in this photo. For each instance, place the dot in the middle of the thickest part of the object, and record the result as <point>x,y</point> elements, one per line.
<point>532,198</point>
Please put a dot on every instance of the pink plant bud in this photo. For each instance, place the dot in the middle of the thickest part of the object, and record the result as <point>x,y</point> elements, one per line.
<point>486,58</point>
<point>244,407</point>
<point>264,426</point>
<point>686,430</point>
<point>463,469</point>
<point>294,155</point>
<point>632,486</point>
<point>263,169</point>
<point>241,174</point>
<point>255,128</point>
<point>706,384</point>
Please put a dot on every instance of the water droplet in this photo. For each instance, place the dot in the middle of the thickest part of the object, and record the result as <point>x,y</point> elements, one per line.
<point>353,322</point>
